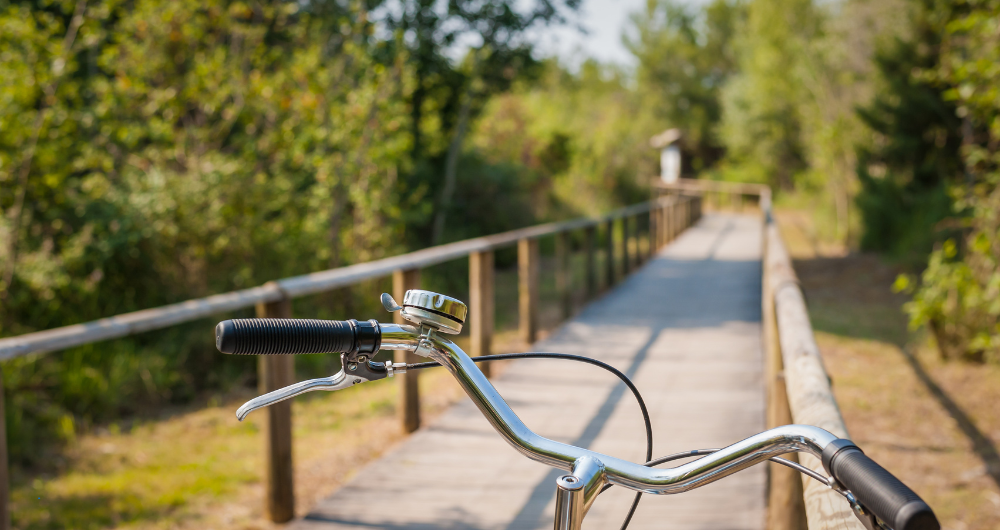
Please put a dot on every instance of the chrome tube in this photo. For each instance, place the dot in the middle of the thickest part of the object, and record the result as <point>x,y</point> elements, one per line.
<point>741,455</point>
<point>569,503</point>
<point>398,337</point>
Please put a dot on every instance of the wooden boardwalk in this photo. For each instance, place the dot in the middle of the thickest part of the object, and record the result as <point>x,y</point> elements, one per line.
<point>685,328</point>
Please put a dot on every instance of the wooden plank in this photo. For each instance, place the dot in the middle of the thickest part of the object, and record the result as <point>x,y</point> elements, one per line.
<point>274,372</point>
<point>527,275</point>
<point>481,306</point>
<point>408,409</point>
<point>810,397</point>
<point>562,275</point>
<point>590,243</point>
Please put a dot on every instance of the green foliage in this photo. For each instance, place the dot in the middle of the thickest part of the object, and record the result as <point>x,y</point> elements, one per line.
<point>580,142</point>
<point>762,124</point>
<point>153,152</point>
<point>790,113</point>
<point>183,149</point>
<point>905,172</point>
<point>959,293</point>
<point>902,221</point>
<point>684,60</point>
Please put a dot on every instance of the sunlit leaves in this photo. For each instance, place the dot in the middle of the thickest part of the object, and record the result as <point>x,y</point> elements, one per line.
<point>959,295</point>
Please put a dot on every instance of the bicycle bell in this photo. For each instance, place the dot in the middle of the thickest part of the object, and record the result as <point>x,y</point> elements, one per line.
<point>425,308</point>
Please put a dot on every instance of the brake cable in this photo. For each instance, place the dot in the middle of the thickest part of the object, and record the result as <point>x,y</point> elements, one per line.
<point>582,359</point>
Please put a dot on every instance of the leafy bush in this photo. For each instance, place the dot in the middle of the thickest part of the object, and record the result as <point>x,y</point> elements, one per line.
<point>152,152</point>
<point>959,293</point>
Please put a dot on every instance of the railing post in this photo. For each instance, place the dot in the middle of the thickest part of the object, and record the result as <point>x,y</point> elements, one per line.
<point>640,256</point>
<point>4,465</point>
<point>668,209</point>
<point>639,237</point>
<point>675,219</point>
<point>481,305</point>
<point>635,256</point>
<point>664,223</point>
<point>409,384</point>
<point>625,260</point>
<point>654,228</point>
<point>590,242</point>
<point>527,266</point>
<point>609,252</point>
<point>562,274</point>
<point>274,372</point>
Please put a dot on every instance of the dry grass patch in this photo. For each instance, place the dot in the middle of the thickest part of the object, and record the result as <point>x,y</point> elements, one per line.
<point>202,469</point>
<point>934,424</point>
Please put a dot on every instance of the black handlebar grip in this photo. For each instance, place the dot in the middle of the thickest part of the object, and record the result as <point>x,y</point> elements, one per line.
<point>878,490</point>
<point>271,336</point>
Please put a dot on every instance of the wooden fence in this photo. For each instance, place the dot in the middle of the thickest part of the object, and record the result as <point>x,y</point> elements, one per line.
<point>798,387</point>
<point>660,220</point>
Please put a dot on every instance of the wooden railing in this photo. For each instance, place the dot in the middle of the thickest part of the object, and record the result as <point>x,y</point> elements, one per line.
<point>663,219</point>
<point>716,195</point>
<point>798,387</point>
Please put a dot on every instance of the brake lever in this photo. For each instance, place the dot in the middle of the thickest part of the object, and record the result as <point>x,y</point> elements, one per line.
<point>353,372</point>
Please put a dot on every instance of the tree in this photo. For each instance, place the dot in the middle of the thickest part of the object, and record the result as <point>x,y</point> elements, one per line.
<point>498,53</point>
<point>684,59</point>
<point>905,173</point>
<point>959,294</point>
<point>762,123</point>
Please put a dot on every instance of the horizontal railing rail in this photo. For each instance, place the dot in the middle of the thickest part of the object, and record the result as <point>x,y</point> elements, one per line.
<point>161,317</point>
<point>663,218</point>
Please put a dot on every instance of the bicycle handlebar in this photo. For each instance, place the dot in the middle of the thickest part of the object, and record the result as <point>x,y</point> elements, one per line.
<point>874,487</point>
<point>877,489</point>
<point>278,336</point>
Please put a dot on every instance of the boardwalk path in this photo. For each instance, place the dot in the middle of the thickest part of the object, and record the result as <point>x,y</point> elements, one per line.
<point>685,328</point>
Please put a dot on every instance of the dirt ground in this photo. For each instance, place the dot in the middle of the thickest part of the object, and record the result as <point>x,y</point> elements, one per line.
<point>934,424</point>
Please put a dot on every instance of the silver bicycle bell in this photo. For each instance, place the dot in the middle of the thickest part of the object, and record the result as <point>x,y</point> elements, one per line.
<point>424,308</point>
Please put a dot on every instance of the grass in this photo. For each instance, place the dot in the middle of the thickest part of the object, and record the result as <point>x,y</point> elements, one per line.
<point>934,424</point>
<point>201,468</point>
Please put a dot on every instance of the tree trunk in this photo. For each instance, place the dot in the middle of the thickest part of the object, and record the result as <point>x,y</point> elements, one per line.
<point>451,163</point>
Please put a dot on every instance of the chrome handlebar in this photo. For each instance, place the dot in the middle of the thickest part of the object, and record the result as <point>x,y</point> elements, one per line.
<point>429,342</point>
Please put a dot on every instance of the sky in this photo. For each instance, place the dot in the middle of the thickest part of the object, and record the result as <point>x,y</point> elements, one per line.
<point>605,21</point>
